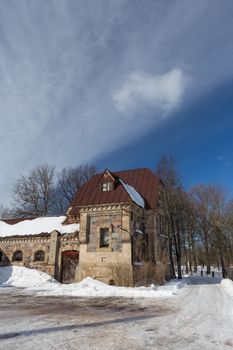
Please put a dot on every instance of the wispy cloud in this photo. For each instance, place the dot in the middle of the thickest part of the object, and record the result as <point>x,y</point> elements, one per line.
<point>72,71</point>
<point>164,92</point>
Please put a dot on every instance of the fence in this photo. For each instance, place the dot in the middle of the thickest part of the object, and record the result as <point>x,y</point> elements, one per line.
<point>202,271</point>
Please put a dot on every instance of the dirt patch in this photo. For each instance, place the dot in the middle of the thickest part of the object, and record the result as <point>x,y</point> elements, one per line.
<point>27,318</point>
<point>70,307</point>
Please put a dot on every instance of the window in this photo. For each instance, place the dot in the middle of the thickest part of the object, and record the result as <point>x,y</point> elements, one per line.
<point>39,255</point>
<point>107,186</point>
<point>17,256</point>
<point>1,256</point>
<point>104,238</point>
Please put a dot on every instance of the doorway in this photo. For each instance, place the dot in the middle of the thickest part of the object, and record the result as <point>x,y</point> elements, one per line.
<point>70,261</point>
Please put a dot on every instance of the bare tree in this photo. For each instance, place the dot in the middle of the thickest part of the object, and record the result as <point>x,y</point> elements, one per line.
<point>71,179</point>
<point>4,212</point>
<point>201,197</point>
<point>167,172</point>
<point>228,238</point>
<point>42,193</point>
<point>188,233</point>
<point>213,224</point>
<point>33,195</point>
<point>69,182</point>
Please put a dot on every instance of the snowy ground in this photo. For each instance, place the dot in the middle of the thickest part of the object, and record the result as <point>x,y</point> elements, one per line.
<point>200,316</point>
<point>38,282</point>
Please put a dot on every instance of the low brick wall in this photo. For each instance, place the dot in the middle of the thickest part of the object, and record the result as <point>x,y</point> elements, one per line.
<point>51,245</point>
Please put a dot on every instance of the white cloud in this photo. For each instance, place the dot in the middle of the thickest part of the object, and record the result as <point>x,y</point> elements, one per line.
<point>61,60</point>
<point>164,92</point>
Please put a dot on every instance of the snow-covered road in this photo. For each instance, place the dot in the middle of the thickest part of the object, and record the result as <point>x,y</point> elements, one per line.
<point>200,317</point>
<point>203,320</point>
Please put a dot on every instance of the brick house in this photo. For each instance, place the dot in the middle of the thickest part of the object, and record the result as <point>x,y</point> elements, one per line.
<point>120,234</point>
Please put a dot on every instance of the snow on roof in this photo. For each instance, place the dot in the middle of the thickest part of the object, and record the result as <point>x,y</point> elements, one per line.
<point>135,196</point>
<point>37,226</point>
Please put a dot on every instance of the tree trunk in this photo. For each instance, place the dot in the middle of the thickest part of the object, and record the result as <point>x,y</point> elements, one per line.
<point>177,247</point>
<point>207,253</point>
<point>224,271</point>
<point>178,259</point>
<point>171,257</point>
<point>194,254</point>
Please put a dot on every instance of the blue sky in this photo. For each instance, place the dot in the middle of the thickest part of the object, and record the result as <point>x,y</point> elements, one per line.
<point>201,144</point>
<point>116,83</point>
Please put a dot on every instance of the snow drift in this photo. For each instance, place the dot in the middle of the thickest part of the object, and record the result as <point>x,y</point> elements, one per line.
<point>18,276</point>
<point>227,285</point>
<point>43,284</point>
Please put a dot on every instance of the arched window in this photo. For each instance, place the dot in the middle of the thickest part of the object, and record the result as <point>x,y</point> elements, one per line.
<point>17,256</point>
<point>39,255</point>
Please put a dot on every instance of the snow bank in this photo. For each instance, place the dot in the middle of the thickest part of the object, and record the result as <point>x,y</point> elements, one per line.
<point>37,226</point>
<point>43,284</point>
<point>227,285</point>
<point>18,276</point>
<point>134,195</point>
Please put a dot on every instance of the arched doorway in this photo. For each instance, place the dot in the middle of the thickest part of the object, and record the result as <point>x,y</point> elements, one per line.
<point>70,259</point>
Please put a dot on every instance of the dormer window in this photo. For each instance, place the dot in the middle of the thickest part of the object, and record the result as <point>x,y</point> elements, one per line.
<point>107,186</point>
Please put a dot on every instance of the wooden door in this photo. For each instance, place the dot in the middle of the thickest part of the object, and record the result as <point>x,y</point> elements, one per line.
<point>70,261</point>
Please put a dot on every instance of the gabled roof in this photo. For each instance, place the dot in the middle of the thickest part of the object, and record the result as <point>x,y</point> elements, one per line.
<point>143,180</point>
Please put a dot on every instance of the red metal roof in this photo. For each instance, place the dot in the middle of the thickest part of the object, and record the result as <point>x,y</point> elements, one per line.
<point>143,180</point>
<point>17,220</point>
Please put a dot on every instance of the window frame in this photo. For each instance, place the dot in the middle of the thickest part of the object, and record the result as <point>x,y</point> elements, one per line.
<point>15,253</point>
<point>36,255</point>
<point>104,230</point>
<point>107,186</point>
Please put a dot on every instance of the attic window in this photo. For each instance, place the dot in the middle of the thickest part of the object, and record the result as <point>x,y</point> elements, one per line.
<point>107,186</point>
